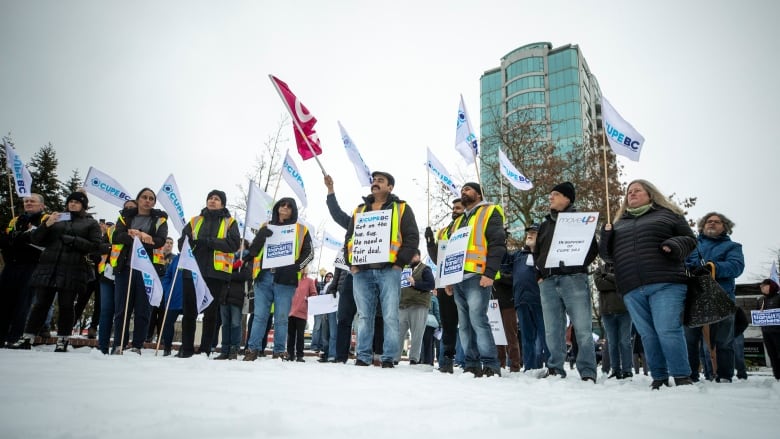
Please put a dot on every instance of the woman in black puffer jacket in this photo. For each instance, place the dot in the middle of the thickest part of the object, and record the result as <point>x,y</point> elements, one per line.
<point>63,269</point>
<point>648,245</point>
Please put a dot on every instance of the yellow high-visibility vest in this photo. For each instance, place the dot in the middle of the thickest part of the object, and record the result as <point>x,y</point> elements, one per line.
<point>157,254</point>
<point>222,261</point>
<point>476,251</point>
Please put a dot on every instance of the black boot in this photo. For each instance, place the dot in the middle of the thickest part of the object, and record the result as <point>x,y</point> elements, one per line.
<point>62,344</point>
<point>657,384</point>
<point>24,342</point>
<point>224,355</point>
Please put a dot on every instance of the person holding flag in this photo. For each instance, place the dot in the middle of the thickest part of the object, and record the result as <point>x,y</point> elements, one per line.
<point>214,237</point>
<point>67,238</point>
<point>276,285</point>
<point>150,226</point>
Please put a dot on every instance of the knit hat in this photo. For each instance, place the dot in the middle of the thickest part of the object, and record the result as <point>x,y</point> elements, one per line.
<point>81,197</point>
<point>388,177</point>
<point>566,189</point>
<point>220,194</point>
<point>773,287</point>
<point>477,188</point>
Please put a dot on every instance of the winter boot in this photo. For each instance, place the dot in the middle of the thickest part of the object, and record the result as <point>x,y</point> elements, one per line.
<point>250,355</point>
<point>62,344</point>
<point>25,342</point>
<point>657,384</point>
<point>233,353</point>
<point>224,355</point>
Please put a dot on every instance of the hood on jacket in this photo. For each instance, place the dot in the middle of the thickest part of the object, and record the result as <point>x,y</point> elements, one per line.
<point>293,216</point>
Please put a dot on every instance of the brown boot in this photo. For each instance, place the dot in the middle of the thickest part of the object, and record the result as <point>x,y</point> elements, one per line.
<point>250,355</point>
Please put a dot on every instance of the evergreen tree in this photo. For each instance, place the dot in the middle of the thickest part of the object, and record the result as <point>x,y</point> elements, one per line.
<point>43,168</point>
<point>6,187</point>
<point>74,183</point>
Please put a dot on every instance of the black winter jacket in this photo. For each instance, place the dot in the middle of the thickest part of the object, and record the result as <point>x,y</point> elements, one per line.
<point>207,242</point>
<point>15,245</point>
<point>610,301</point>
<point>770,301</point>
<point>63,263</point>
<point>634,247</point>
<point>235,292</point>
<point>158,234</point>
<point>543,243</point>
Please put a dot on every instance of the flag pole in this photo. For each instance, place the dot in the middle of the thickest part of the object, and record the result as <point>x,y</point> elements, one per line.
<point>606,179</point>
<point>167,306</point>
<point>476,166</point>
<point>297,126</point>
<point>124,318</point>
<point>10,193</point>
<point>428,173</point>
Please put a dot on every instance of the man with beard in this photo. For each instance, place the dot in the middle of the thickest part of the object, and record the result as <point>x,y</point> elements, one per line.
<point>379,281</point>
<point>726,262</point>
<point>486,248</point>
<point>447,308</point>
<point>20,260</point>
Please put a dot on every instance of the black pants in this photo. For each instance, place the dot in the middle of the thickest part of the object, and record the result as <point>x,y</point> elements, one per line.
<point>155,322</point>
<point>15,301</point>
<point>345,316</point>
<point>295,328</point>
<point>82,299</point>
<point>428,351</point>
<point>190,313</point>
<point>449,324</point>
<point>772,343</point>
<point>44,298</point>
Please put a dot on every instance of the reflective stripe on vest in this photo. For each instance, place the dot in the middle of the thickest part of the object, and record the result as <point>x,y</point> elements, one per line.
<point>395,232</point>
<point>476,252</point>
<point>222,261</point>
<point>157,254</point>
<point>300,232</point>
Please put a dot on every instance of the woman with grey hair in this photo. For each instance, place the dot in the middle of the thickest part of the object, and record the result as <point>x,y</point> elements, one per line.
<point>648,244</point>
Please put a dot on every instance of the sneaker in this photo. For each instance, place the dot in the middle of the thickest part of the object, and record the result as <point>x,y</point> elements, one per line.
<point>62,344</point>
<point>23,343</point>
<point>445,368</point>
<point>361,363</point>
<point>657,384</point>
<point>387,365</point>
<point>684,381</point>
<point>477,371</point>
<point>489,372</point>
<point>250,355</point>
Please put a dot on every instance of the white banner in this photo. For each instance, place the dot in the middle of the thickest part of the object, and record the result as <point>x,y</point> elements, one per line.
<point>465,137</point>
<point>19,172</point>
<point>323,304</point>
<point>624,139</point>
<point>572,238</point>
<point>511,173</point>
<point>773,273</point>
<point>187,261</point>
<point>361,169</point>
<point>371,238</point>
<point>279,248</point>
<point>169,197</point>
<point>439,171</point>
<point>139,260</point>
<point>496,323</point>
<point>259,206</point>
<point>769,317</point>
<point>106,188</point>
<point>451,269</point>
<point>293,178</point>
<point>332,242</point>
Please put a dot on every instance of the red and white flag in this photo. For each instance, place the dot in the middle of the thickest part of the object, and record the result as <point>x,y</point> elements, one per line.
<point>303,121</point>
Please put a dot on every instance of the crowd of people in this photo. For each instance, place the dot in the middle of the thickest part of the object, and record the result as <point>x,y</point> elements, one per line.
<point>639,264</point>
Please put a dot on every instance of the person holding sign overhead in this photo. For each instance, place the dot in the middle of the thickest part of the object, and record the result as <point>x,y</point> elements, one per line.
<point>564,288</point>
<point>280,250</point>
<point>382,237</point>
<point>481,228</point>
<point>648,244</point>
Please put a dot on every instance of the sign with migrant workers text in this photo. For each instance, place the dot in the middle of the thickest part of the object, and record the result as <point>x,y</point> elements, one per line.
<point>371,238</point>
<point>279,248</point>
<point>571,240</point>
<point>455,256</point>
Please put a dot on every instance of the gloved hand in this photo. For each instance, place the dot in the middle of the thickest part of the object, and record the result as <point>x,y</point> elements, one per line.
<point>68,239</point>
<point>265,232</point>
<point>429,236</point>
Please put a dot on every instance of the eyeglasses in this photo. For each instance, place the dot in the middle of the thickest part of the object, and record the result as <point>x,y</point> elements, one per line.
<point>285,204</point>
<point>713,222</point>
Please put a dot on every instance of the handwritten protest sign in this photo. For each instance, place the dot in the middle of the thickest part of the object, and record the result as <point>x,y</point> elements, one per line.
<point>571,240</point>
<point>371,239</point>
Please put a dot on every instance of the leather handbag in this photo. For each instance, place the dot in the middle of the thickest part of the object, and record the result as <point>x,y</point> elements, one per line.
<point>706,301</point>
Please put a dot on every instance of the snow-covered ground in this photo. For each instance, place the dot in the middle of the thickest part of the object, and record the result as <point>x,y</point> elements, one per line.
<point>84,394</point>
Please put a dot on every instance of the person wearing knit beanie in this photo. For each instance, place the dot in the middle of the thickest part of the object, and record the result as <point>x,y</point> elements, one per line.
<point>79,196</point>
<point>566,189</point>
<point>477,188</point>
<point>219,194</point>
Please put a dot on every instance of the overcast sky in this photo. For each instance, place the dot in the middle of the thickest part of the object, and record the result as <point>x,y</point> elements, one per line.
<point>143,89</point>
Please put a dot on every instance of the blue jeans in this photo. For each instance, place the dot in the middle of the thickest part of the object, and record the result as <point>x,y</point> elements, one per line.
<point>739,356</point>
<point>475,332</point>
<point>656,310</point>
<point>535,352</point>
<point>106,314</point>
<point>316,334</point>
<point>168,327</point>
<point>368,286</point>
<point>137,305</point>
<point>618,329</point>
<point>329,334</point>
<point>562,295</point>
<point>231,326</point>
<point>267,292</point>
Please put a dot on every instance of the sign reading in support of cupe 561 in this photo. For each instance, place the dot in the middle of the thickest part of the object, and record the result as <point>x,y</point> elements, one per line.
<point>371,240</point>
<point>571,240</point>
<point>454,257</point>
<point>279,249</point>
<point>770,317</point>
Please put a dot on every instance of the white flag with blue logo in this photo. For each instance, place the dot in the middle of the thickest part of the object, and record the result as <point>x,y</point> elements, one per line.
<point>361,169</point>
<point>292,176</point>
<point>773,273</point>
<point>106,188</point>
<point>187,261</point>
<point>169,197</point>
<point>140,261</point>
<point>439,171</point>
<point>511,173</point>
<point>622,137</point>
<point>465,137</point>
<point>259,206</point>
<point>332,242</point>
<point>21,175</point>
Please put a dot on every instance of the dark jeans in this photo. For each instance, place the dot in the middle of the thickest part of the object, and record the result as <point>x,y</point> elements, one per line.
<point>155,321</point>
<point>449,326</point>
<point>295,328</point>
<point>168,327</point>
<point>346,314</point>
<point>83,299</point>
<point>40,310</point>
<point>427,353</point>
<point>137,305</point>
<point>15,301</point>
<point>534,345</point>
<point>190,313</point>
<point>722,339</point>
